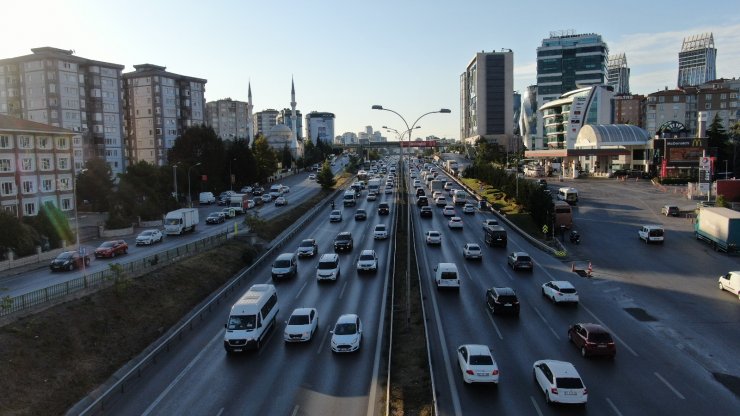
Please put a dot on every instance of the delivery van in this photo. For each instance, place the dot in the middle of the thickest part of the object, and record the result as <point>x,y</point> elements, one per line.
<point>251,319</point>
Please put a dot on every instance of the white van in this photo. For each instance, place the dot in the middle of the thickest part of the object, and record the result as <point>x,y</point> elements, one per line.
<point>569,195</point>
<point>206,198</point>
<point>328,268</point>
<point>446,275</point>
<point>349,199</point>
<point>251,318</point>
<point>277,188</point>
<point>731,283</point>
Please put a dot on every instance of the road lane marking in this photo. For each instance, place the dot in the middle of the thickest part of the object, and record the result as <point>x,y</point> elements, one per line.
<point>600,322</point>
<point>506,272</point>
<point>321,345</point>
<point>301,290</point>
<point>546,323</point>
<point>182,374</point>
<point>536,407</point>
<point>614,407</point>
<point>680,396</point>
<point>494,325</point>
<point>295,410</point>
<point>220,412</point>
<point>343,287</point>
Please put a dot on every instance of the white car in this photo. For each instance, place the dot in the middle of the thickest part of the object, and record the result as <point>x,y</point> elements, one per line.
<point>477,364</point>
<point>312,177</point>
<point>148,237</point>
<point>468,209</point>
<point>388,190</point>
<point>489,222</point>
<point>560,291</point>
<point>246,190</point>
<point>371,196</point>
<point>380,232</point>
<point>335,216</point>
<point>433,237</point>
<point>455,222</point>
<point>436,194</point>
<point>448,211</point>
<point>367,262</point>
<point>280,201</point>
<point>301,325</point>
<point>286,189</point>
<point>560,382</point>
<point>651,234</point>
<point>347,334</point>
<point>472,251</point>
<point>440,201</point>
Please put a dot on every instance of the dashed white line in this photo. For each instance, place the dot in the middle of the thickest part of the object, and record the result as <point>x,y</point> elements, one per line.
<point>536,407</point>
<point>546,323</point>
<point>343,287</point>
<point>301,290</point>
<point>614,407</point>
<point>295,411</point>
<point>321,344</point>
<point>680,396</point>
<point>494,325</point>
<point>614,289</point>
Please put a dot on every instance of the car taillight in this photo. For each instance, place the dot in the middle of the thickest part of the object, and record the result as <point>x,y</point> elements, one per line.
<point>494,372</point>
<point>554,390</point>
<point>470,372</point>
<point>585,391</point>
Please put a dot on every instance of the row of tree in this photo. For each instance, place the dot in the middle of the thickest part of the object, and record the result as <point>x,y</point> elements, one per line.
<point>726,142</point>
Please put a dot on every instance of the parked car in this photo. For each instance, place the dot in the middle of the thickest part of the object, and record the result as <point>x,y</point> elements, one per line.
<point>149,237</point>
<point>347,334</point>
<point>368,261</point>
<point>69,260</point>
<point>520,260</point>
<point>502,300</point>
<point>215,218</point>
<point>301,325</point>
<point>560,382</point>
<point>559,291</point>
<point>477,364</point>
<point>112,248</point>
<point>592,339</point>
<point>433,237</point>
<point>730,282</point>
<point>472,251</point>
<point>669,210</point>
<point>308,248</point>
<point>425,212</point>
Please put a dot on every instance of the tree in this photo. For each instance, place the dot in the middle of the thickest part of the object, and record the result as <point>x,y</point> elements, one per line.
<point>16,236</point>
<point>51,224</point>
<point>732,147</point>
<point>717,138</point>
<point>373,154</point>
<point>487,152</point>
<point>287,157</point>
<point>325,177</point>
<point>244,165</point>
<point>143,191</point>
<point>95,184</point>
<point>200,144</point>
<point>266,159</point>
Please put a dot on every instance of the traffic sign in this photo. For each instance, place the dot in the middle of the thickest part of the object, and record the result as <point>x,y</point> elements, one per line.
<point>82,251</point>
<point>705,162</point>
<point>545,229</point>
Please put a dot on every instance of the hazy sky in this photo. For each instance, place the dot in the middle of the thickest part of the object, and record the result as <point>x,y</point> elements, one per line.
<point>345,56</point>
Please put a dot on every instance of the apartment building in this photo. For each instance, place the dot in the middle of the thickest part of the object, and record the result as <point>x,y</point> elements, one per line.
<point>265,120</point>
<point>36,167</point>
<point>228,118</point>
<point>320,127</point>
<point>55,87</point>
<point>160,105</point>
<point>629,109</point>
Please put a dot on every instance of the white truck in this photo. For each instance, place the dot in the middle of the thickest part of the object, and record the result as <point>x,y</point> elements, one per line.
<point>373,186</point>
<point>240,203</point>
<point>180,220</point>
<point>460,198</point>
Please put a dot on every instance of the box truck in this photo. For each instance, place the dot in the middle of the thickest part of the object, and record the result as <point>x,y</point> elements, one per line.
<point>240,203</point>
<point>180,220</point>
<point>720,227</point>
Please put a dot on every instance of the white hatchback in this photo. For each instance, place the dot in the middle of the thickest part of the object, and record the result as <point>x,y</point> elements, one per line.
<point>301,325</point>
<point>455,222</point>
<point>560,291</point>
<point>380,232</point>
<point>477,364</point>
<point>448,211</point>
<point>347,334</point>
<point>472,251</point>
<point>433,237</point>
<point>560,382</point>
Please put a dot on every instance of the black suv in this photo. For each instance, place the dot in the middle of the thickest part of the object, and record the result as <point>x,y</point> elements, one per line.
<point>343,242</point>
<point>502,300</point>
<point>384,208</point>
<point>425,212</point>
<point>420,192</point>
<point>422,201</point>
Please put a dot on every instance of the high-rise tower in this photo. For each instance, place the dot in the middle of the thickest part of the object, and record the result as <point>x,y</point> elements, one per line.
<point>697,60</point>
<point>250,122</point>
<point>618,74</point>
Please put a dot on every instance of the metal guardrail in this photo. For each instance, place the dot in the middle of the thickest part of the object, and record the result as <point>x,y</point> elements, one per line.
<point>96,405</point>
<point>61,291</point>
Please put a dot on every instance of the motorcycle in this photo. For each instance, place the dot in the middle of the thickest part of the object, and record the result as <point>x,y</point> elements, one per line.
<point>575,237</point>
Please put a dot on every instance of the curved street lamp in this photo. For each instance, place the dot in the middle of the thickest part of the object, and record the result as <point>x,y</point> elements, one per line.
<point>190,198</point>
<point>408,209</point>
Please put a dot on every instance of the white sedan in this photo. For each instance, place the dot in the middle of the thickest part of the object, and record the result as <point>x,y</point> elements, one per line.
<point>149,237</point>
<point>560,291</point>
<point>312,177</point>
<point>367,262</point>
<point>448,211</point>
<point>380,232</point>
<point>472,251</point>
<point>469,209</point>
<point>477,364</point>
<point>301,325</point>
<point>455,222</point>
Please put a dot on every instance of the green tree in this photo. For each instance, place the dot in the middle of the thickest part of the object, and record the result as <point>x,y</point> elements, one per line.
<point>16,236</point>
<point>717,138</point>
<point>200,144</point>
<point>143,192</point>
<point>488,152</point>
<point>243,163</point>
<point>373,154</point>
<point>95,185</point>
<point>732,143</point>
<point>325,177</point>
<point>286,157</point>
<point>266,159</point>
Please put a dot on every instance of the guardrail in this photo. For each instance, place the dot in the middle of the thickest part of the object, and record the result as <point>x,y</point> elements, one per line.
<point>61,291</point>
<point>96,405</point>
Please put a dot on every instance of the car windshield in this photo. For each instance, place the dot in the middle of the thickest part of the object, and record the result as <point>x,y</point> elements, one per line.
<point>367,257</point>
<point>306,244</point>
<point>342,237</point>
<point>172,221</point>
<point>473,247</point>
<point>214,215</point>
<point>380,228</point>
<point>298,320</point>
<point>65,256</point>
<point>600,337</point>
<point>434,234</point>
<point>448,275</point>
<point>147,233</point>
<point>335,212</point>
<point>481,360</point>
<point>282,264</point>
<point>523,258</point>
<point>568,383</point>
<point>345,329</point>
<point>327,265</point>
<point>566,290</point>
<point>242,322</point>
<point>108,244</point>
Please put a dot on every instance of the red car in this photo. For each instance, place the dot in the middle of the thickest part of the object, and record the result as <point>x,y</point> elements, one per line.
<point>592,339</point>
<point>111,249</point>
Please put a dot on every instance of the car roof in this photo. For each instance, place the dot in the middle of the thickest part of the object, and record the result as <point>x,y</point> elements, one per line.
<point>477,349</point>
<point>379,225</point>
<point>561,368</point>
<point>329,256</point>
<point>368,251</point>
<point>472,245</point>
<point>432,231</point>
<point>593,328</point>
<point>309,240</point>
<point>455,219</point>
<point>344,233</point>
<point>520,253</point>
<point>302,311</point>
<point>347,318</point>
<point>284,256</point>
<point>562,284</point>
<point>447,266</point>
<point>504,290</point>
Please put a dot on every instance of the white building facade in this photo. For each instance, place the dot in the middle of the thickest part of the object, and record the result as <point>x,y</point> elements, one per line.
<point>320,127</point>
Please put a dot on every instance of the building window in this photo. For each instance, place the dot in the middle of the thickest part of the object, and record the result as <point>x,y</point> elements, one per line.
<point>5,165</point>
<point>723,96</point>
<point>66,204</point>
<point>65,184</point>
<point>62,143</point>
<point>45,163</point>
<point>722,105</point>
<point>46,185</point>
<point>8,188</point>
<point>63,163</point>
<point>29,208</point>
<point>5,142</point>
<point>707,106</point>
<point>24,142</point>
<point>708,97</point>
<point>28,187</point>
<point>26,164</point>
<point>675,98</point>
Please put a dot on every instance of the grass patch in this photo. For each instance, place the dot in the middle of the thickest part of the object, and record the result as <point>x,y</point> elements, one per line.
<point>54,358</point>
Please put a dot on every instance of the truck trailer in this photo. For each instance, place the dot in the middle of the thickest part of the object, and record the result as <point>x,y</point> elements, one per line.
<point>180,220</point>
<point>720,227</point>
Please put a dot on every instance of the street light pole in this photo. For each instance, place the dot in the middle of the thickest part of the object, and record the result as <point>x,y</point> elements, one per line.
<point>190,199</point>
<point>231,178</point>
<point>408,207</point>
<point>77,219</point>
<point>174,181</point>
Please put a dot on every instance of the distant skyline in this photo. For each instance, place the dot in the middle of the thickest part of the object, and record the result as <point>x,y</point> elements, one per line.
<point>346,56</point>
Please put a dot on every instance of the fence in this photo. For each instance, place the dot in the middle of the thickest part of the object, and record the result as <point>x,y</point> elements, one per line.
<point>61,291</point>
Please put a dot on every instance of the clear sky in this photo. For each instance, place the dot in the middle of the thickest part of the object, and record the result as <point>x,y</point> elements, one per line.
<point>345,55</point>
